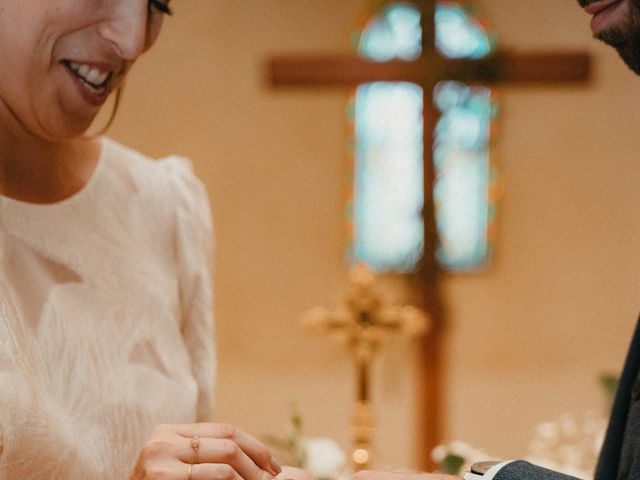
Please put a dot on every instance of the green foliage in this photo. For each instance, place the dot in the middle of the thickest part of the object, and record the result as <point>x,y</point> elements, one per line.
<point>290,448</point>
<point>609,383</point>
<point>452,464</point>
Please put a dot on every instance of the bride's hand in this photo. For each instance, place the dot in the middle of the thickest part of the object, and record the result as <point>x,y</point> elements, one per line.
<point>293,473</point>
<point>203,451</point>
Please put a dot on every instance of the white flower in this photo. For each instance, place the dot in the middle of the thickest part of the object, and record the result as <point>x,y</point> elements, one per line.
<point>466,451</point>
<point>439,453</point>
<point>547,431</point>
<point>325,458</point>
<point>569,445</point>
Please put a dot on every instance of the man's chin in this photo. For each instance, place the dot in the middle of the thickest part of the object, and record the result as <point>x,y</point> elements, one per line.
<point>626,43</point>
<point>614,37</point>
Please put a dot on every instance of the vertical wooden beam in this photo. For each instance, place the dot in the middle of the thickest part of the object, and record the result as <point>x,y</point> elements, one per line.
<point>429,414</point>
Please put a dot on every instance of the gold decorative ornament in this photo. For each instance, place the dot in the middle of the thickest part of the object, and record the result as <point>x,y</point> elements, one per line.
<point>363,322</point>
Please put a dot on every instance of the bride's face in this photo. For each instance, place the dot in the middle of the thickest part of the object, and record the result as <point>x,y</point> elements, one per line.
<point>61,59</point>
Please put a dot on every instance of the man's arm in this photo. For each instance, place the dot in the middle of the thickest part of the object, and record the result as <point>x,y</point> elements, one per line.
<point>516,470</point>
<point>521,470</point>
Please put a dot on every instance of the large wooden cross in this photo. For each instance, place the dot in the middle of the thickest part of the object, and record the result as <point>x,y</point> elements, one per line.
<point>504,67</point>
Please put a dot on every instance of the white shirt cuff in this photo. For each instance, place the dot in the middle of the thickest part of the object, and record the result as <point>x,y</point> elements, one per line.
<point>490,473</point>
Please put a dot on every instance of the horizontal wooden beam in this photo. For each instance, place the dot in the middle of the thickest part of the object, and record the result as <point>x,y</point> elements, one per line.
<point>504,67</point>
<point>338,70</point>
<point>543,67</point>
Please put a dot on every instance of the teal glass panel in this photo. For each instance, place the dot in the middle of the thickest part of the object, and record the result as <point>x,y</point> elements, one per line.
<point>389,229</point>
<point>394,34</point>
<point>458,35</point>
<point>461,150</point>
<point>389,192</point>
<point>462,166</point>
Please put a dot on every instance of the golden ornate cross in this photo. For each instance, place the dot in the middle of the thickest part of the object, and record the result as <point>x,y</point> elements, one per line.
<point>363,322</point>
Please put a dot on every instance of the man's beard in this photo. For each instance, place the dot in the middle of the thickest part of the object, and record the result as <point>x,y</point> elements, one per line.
<point>625,37</point>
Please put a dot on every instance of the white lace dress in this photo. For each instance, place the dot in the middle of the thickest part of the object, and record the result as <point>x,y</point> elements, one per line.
<point>105,318</point>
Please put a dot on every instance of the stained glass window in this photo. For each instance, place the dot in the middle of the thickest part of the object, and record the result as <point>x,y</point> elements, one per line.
<point>388,230</point>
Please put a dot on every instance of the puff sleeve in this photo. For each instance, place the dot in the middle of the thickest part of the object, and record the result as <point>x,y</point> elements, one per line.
<point>193,244</point>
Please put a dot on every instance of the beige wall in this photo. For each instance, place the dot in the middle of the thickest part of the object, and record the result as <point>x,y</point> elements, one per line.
<point>528,337</point>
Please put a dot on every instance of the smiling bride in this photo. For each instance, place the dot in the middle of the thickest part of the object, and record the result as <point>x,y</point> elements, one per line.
<point>106,329</point>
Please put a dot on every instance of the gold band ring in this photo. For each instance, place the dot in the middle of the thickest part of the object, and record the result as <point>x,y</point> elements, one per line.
<point>189,472</point>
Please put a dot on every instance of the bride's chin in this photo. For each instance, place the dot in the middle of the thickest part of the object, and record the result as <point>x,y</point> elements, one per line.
<point>70,119</point>
<point>66,130</point>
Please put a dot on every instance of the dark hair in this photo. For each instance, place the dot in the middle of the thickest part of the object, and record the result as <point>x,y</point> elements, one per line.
<point>114,111</point>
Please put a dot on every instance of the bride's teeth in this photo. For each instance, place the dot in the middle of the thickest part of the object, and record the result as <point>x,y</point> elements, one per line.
<point>94,76</point>
<point>89,74</point>
<point>83,70</point>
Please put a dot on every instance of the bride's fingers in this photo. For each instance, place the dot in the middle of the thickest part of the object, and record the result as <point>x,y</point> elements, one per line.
<point>210,471</point>
<point>248,444</point>
<point>223,452</point>
<point>293,473</point>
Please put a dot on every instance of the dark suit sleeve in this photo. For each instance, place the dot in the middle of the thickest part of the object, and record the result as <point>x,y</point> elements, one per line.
<point>521,470</point>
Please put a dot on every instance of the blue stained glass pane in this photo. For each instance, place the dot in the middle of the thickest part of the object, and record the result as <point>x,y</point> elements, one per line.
<point>388,180</point>
<point>462,174</point>
<point>465,116</point>
<point>463,222</point>
<point>458,35</point>
<point>389,147</point>
<point>395,34</point>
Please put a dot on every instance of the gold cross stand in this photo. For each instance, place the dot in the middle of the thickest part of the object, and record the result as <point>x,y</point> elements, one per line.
<point>363,322</point>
